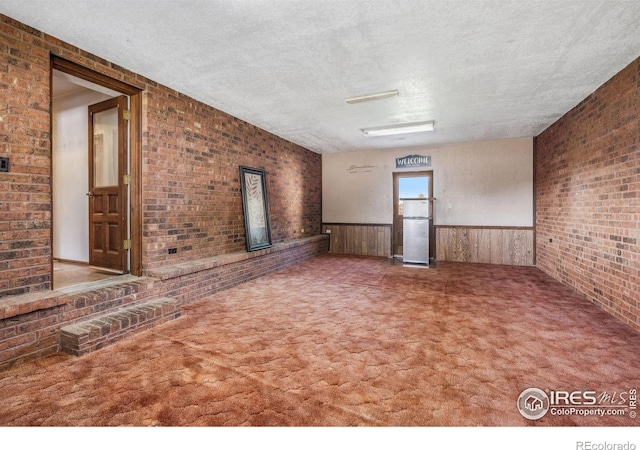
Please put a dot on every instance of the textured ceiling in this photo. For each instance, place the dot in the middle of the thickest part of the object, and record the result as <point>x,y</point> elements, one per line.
<point>481,69</point>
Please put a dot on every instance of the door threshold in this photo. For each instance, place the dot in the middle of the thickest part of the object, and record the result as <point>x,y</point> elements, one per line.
<point>107,270</point>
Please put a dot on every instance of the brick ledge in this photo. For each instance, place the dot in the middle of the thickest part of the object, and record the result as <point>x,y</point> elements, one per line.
<point>17,305</point>
<point>190,267</point>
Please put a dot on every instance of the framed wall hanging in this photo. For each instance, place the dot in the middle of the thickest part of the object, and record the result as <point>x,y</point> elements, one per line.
<point>256,210</point>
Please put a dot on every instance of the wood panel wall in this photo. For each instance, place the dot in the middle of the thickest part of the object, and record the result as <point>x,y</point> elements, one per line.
<point>492,245</point>
<point>359,239</point>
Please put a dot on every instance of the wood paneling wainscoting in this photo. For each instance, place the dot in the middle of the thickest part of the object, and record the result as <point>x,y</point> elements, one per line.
<point>366,239</point>
<point>494,245</point>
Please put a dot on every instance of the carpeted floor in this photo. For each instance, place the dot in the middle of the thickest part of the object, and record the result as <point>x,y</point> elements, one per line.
<point>343,341</point>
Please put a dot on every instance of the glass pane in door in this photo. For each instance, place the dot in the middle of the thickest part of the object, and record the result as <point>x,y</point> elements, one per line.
<point>411,187</point>
<point>105,148</point>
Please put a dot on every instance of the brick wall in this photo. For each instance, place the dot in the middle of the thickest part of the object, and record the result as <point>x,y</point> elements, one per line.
<point>190,156</point>
<point>25,193</point>
<point>192,197</point>
<point>588,197</point>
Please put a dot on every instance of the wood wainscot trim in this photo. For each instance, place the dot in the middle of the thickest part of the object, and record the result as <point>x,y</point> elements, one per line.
<point>365,239</point>
<point>486,244</point>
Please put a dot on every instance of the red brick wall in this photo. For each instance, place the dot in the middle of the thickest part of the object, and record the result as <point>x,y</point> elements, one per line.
<point>588,197</point>
<point>192,198</point>
<point>191,153</point>
<point>25,192</point>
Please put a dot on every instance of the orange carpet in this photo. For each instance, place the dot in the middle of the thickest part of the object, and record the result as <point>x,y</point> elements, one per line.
<point>344,341</point>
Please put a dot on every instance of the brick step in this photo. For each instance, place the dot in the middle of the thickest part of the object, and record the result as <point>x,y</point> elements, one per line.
<point>85,337</point>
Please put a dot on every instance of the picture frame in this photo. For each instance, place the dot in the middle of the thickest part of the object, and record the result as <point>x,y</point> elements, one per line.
<point>256,208</point>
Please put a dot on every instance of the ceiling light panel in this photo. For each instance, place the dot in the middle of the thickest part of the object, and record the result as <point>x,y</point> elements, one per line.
<point>403,128</point>
<point>370,97</point>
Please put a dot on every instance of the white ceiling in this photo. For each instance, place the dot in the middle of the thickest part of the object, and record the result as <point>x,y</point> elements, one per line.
<point>481,69</point>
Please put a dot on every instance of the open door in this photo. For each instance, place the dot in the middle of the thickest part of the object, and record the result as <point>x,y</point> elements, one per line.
<point>407,186</point>
<point>108,185</point>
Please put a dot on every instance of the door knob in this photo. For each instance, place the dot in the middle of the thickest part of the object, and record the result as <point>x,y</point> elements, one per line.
<point>89,194</point>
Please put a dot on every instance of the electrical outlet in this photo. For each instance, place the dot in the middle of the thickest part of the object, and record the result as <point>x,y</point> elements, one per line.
<point>327,231</point>
<point>302,230</point>
<point>173,251</point>
<point>4,164</point>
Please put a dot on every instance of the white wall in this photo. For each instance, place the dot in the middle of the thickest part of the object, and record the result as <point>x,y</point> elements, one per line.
<point>487,183</point>
<point>71,173</point>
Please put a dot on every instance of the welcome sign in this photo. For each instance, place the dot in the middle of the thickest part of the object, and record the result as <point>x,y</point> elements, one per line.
<point>413,161</point>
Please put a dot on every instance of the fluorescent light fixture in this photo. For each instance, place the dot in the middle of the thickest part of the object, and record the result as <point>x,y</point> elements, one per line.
<point>402,128</point>
<point>369,97</point>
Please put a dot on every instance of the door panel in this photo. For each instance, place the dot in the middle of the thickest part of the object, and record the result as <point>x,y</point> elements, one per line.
<point>107,190</point>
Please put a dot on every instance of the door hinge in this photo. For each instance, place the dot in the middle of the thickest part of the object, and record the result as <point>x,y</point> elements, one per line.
<point>127,244</point>
<point>126,179</point>
<point>126,114</point>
